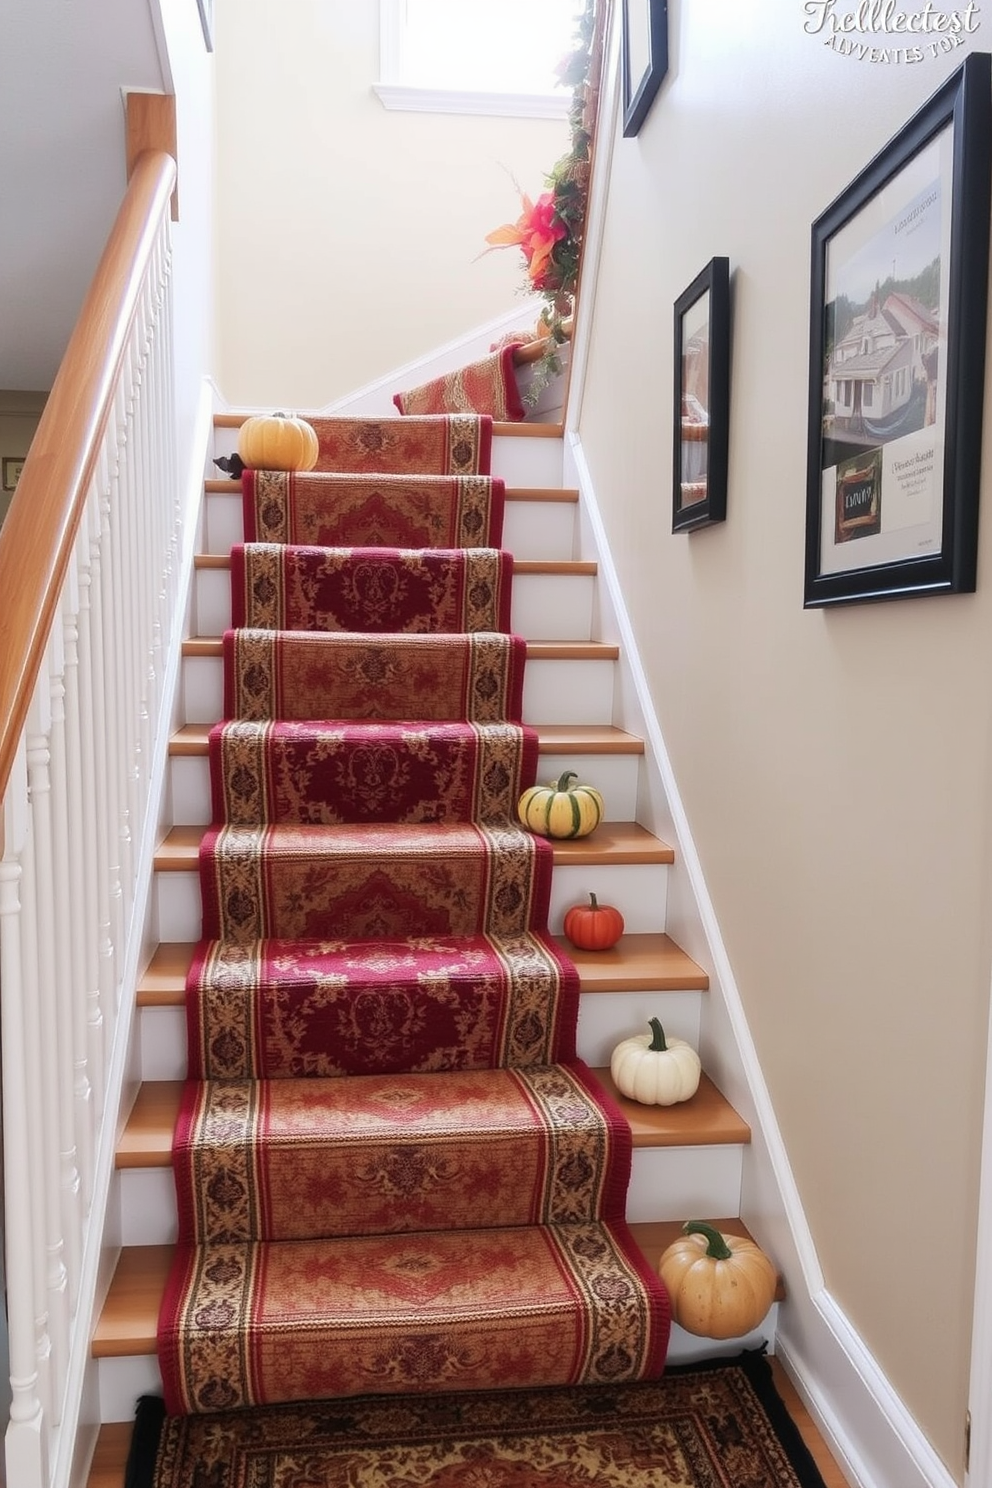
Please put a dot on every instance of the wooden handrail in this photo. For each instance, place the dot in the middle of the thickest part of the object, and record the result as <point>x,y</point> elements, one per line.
<point>40,528</point>
<point>533,351</point>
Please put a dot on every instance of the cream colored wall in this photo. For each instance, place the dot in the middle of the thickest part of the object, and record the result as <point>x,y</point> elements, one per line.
<point>835,766</point>
<point>347,234</point>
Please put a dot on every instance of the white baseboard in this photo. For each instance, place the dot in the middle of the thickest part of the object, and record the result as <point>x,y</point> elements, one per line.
<point>876,1441</point>
<point>868,1428</point>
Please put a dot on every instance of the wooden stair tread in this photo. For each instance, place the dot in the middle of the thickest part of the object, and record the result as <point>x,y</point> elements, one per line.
<point>610,843</point>
<point>553,738</point>
<point>568,495</point>
<point>502,429</point>
<point>705,1121</point>
<point>650,962</point>
<point>536,650</point>
<point>128,1322</point>
<point>567,567</point>
<point>110,1455</point>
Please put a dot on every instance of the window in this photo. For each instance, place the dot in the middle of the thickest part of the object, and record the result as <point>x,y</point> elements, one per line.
<point>487,57</point>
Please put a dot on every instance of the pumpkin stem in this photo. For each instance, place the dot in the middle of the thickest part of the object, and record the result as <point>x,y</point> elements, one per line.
<point>657,1044</point>
<point>717,1246</point>
<point>564,778</point>
<point>592,902</point>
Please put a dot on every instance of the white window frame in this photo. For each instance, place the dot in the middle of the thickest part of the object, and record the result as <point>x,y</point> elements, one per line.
<point>396,94</point>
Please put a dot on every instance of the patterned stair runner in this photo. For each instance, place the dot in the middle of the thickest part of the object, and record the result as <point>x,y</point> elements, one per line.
<point>392,1173</point>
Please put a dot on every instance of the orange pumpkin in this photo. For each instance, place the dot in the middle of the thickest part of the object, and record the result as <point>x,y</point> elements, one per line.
<point>593,926</point>
<point>277,441</point>
<point>721,1286</point>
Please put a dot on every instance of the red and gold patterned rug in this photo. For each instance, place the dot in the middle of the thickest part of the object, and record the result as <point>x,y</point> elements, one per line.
<point>393,1176</point>
<point>443,444</point>
<point>720,1424</point>
<point>488,385</point>
<point>379,511</point>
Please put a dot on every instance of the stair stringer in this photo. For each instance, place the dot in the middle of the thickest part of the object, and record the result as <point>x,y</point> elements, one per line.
<point>868,1428</point>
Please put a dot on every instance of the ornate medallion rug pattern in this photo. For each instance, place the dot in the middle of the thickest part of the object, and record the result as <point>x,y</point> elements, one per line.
<point>393,1176</point>
<point>714,1425</point>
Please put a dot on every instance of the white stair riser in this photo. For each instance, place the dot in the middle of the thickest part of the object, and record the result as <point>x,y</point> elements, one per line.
<point>604,1019</point>
<point>638,890</point>
<point>548,607</point>
<point>121,1381</point>
<point>520,460</point>
<point>665,1183</point>
<point>607,1017</point>
<point>555,691</point>
<point>615,776</point>
<point>687,1348</point>
<point>552,607</point>
<point>539,531</point>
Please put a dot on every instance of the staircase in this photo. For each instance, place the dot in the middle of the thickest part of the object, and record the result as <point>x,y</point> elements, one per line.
<point>687,1158</point>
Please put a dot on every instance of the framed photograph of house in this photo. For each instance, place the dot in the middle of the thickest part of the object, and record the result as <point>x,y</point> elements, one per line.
<point>702,399</point>
<point>897,359</point>
<point>644,46</point>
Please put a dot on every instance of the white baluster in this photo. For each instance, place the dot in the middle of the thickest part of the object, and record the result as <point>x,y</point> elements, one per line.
<point>119,638</point>
<point>104,761</point>
<point>79,871</point>
<point>60,915</point>
<point>27,1433</point>
<point>88,769</point>
<point>40,906</point>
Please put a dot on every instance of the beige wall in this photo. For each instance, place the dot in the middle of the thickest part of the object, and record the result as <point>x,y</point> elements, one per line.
<point>348,235</point>
<point>835,767</point>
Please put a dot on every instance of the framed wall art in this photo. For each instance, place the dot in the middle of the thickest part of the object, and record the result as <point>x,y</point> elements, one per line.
<point>12,467</point>
<point>644,47</point>
<point>702,399</point>
<point>897,359</point>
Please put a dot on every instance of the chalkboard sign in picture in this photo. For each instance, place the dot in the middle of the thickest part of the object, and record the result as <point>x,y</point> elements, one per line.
<point>897,358</point>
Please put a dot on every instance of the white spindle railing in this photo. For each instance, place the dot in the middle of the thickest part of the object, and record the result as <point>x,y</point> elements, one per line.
<point>76,806</point>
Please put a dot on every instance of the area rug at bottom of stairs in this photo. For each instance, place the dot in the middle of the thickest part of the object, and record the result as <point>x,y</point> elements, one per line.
<point>717,1424</point>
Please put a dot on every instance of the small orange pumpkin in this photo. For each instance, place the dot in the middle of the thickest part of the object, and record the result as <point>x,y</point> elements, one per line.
<point>593,926</point>
<point>278,441</point>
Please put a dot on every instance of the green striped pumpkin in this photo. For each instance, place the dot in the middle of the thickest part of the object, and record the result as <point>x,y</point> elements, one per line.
<point>561,809</point>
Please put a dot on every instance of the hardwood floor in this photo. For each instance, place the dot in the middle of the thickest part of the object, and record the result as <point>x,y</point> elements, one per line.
<point>829,1470</point>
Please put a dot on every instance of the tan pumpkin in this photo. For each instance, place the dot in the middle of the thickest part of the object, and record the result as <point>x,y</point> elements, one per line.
<point>561,809</point>
<point>277,441</point>
<point>721,1286</point>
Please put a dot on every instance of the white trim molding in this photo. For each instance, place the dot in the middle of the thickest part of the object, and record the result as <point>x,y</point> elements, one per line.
<point>399,86</point>
<point>979,1473</point>
<point>451,101</point>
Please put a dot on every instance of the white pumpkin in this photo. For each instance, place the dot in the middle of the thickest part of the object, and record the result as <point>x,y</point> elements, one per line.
<point>654,1070</point>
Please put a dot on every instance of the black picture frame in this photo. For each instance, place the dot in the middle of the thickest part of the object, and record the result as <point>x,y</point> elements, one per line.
<point>644,58</point>
<point>897,359</point>
<point>702,399</point>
